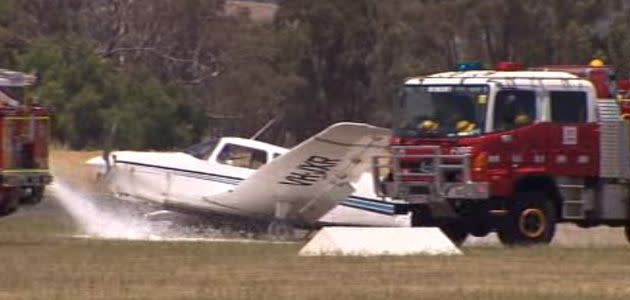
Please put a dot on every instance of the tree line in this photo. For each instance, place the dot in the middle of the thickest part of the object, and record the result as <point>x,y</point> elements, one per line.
<point>167,73</point>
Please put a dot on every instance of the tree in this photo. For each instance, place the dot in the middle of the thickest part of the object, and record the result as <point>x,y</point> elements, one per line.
<point>190,68</point>
<point>90,94</point>
<point>340,51</point>
<point>618,42</point>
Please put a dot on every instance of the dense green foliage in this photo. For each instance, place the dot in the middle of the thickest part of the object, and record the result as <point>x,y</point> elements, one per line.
<point>166,73</point>
<point>90,95</point>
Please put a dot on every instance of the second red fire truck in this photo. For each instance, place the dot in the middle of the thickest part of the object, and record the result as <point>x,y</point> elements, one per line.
<point>511,150</point>
<point>24,138</point>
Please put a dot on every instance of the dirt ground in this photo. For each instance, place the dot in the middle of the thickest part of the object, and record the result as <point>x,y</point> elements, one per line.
<point>42,260</point>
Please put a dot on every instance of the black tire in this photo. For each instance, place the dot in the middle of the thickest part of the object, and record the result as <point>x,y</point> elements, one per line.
<point>480,230</point>
<point>456,232</point>
<point>628,232</point>
<point>35,197</point>
<point>5,211</point>
<point>530,221</point>
<point>8,203</point>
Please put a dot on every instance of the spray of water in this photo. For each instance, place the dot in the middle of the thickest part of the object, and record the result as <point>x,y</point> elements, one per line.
<point>97,222</point>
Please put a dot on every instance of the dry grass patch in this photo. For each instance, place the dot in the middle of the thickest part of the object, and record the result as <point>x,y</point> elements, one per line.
<point>47,266</point>
<point>41,262</point>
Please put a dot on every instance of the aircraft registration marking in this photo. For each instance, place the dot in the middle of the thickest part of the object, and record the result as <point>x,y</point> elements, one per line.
<point>313,169</point>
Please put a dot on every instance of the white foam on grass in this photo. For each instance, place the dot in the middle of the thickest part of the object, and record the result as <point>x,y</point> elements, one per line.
<point>158,238</point>
<point>96,222</point>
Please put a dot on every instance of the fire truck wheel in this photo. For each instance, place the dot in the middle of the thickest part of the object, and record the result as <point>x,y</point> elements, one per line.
<point>8,204</point>
<point>456,232</point>
<point>531,220</point>
<point>35,197</point>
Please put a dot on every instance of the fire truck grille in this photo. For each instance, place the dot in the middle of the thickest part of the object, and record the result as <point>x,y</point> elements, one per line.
<point>427,168</point>
<point>424,190</point>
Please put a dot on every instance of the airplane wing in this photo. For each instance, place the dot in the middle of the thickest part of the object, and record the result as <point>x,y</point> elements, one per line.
<point>305,183</point>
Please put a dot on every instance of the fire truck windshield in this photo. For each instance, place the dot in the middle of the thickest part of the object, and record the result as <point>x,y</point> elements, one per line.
<point>11,94</point>
<point>440,110</point>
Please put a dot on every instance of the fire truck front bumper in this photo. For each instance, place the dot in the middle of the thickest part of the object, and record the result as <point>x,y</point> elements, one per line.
<point>469,190</point>
<point>419,192</point>
<point>25,178</point>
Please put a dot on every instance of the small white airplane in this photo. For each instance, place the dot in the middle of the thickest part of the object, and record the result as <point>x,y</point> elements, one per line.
<point>325,180</point>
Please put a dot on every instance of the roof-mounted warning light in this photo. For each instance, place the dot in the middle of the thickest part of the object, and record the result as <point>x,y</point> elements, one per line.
<point>508,66</point>
<point>469,66</point>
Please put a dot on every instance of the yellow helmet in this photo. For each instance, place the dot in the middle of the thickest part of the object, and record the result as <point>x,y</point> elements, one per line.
<point>428,125</point>
<point>596,63</point>
<point>522,119</point>
<point>464,126</point>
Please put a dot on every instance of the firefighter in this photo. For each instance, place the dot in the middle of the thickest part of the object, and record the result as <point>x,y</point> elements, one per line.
<point>465,126</point>
<point>428,125</point>
<point>596,63</point>
<point>522,119</point>
<point>513,114</point>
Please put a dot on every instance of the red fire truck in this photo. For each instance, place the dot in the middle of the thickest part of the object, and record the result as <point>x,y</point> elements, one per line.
<point>511,150</point>
<point>24,134</point>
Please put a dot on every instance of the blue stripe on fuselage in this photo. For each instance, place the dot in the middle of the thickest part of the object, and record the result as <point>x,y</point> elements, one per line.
<point>189,173</point>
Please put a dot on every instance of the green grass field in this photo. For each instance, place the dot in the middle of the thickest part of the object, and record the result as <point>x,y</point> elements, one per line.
<point>42,261</point>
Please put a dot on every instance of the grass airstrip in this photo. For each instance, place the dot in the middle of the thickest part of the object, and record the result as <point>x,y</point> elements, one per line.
<point>41,260</point>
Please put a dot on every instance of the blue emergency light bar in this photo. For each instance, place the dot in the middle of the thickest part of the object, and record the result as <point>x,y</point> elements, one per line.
<point>469,66</point>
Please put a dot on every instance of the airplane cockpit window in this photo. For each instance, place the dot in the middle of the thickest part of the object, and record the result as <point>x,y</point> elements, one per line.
<point>243,157</point>
<point>201,150</point>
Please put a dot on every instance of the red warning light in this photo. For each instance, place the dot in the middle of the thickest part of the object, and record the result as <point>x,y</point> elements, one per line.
<point>508,66</point>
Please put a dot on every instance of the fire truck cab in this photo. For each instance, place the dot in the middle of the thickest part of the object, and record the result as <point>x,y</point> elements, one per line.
<point>510,150</point>
<point>24,138</point>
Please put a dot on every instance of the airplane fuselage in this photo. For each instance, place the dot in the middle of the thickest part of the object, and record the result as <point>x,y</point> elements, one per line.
<point>186,181</point>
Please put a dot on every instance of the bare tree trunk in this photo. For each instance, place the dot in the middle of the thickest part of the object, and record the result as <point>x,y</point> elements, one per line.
<point>489,47</point>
